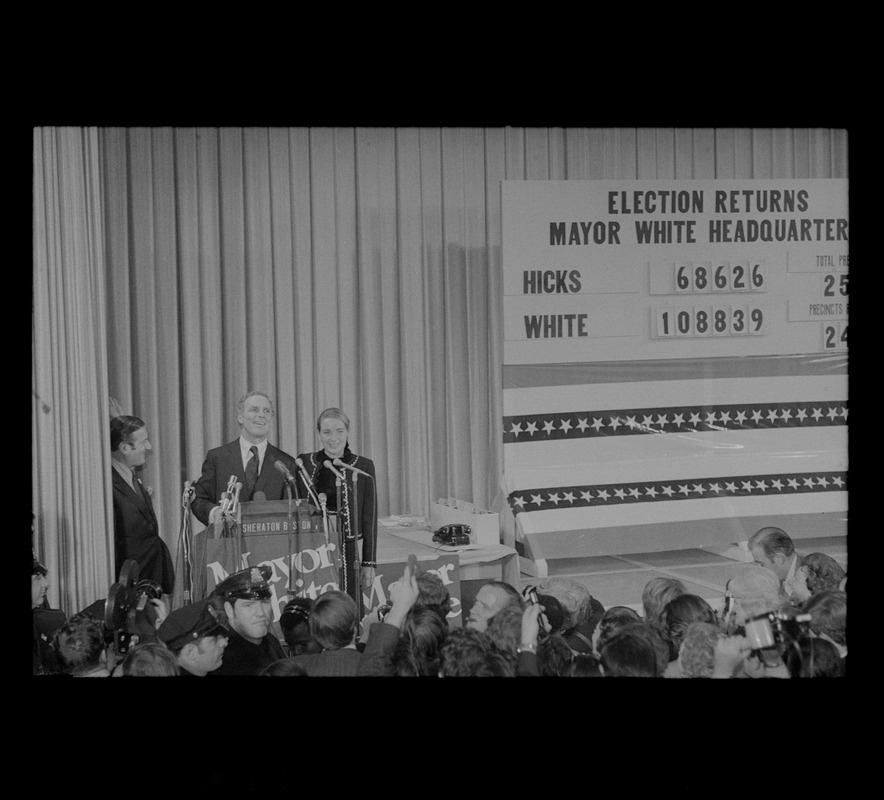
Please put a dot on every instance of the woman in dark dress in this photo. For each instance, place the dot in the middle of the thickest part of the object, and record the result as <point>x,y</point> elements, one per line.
<point>356,518</point>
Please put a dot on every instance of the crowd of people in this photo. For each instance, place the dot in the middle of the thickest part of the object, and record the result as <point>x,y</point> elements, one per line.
<point>783,616</point>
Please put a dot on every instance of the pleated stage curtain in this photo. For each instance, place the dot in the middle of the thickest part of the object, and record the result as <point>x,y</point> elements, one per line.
<point>327,267</point>
<point>71,502</point>
<point>350,267</point>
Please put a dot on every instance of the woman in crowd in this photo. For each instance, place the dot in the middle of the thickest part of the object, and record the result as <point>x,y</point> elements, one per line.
<point>678,615</point>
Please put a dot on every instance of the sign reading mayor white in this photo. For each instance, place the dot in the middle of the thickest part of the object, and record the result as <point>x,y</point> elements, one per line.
<point>637,270</point>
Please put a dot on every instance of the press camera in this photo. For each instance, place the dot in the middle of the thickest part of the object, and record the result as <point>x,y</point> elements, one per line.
<point>128,613</point>
<point>775,628</point>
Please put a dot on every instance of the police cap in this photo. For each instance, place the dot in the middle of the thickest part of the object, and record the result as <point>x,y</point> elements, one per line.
<point>247,584</point>
<point>189,623</point>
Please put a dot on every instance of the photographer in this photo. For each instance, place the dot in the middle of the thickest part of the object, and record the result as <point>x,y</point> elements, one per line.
<point>133,612</point>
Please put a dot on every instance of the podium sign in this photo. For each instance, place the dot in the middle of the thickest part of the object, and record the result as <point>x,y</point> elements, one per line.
<point>446,567</point>
<point>279,516</point>
<point>291,540</point>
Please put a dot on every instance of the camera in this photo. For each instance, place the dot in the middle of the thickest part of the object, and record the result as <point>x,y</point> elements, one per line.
<point>128,612</point>
<point>774,628</point>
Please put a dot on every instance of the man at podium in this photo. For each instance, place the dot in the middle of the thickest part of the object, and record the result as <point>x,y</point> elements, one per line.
<point>250,458</point>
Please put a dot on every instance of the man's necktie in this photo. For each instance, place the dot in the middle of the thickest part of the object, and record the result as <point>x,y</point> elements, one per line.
<point>252,472</point>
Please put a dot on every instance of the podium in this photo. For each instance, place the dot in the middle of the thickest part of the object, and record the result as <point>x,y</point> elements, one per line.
<point>294,539</point>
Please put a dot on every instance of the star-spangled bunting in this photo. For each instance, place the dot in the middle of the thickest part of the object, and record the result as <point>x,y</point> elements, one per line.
<point>662,491</point>
<point>681,419</point>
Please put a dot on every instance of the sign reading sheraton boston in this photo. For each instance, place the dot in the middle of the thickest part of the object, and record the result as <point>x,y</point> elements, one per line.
<point>633,270</point>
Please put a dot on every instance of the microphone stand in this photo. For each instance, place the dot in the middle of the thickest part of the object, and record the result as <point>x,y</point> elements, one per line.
<point>233,513</point>
<point>322,502</point>
<point>354,517</point>
<point>288,491</point>
<point>342,536</point>
<point>310,491</point>
<point>184,542</point>
<point>335,561</point>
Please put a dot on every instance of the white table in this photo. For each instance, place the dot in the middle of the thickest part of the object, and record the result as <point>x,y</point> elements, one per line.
<point>396,542</point>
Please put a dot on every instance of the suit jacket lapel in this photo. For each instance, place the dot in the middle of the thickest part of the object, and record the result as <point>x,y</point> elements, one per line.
<point>232,465</point>
<point>148,503</point>
<point>138,496</point>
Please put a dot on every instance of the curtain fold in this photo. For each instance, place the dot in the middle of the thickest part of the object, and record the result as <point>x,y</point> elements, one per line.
<point>351,267</point>
<point>73,524</point>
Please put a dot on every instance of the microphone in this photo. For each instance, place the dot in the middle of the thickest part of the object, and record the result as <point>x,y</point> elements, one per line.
<point>328,465</point>
<point>311,492</point>
<point>234,503</point>
<point>340,463</point>
<point>189,492</point>
<point>227,495</point>
<point>259,496</point>
<point>284,470</point>
<point>322,499</point>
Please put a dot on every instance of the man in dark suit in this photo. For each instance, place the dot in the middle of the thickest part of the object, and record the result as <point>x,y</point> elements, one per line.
<point>136,531</point>
<point>250,458</point>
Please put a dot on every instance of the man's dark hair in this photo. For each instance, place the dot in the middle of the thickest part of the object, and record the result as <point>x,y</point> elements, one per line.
<point>554,656</point>
<point>496,664</point>
<point>629,654</point>
<point>823,572</point>
<point>615,618</point>
<point>122,429</point>
<point>585,665</point>
<point>433,594</point>
<point>828,615</point>
<point>464,652</point>
<point>814,658</point>
<point>420,644</point>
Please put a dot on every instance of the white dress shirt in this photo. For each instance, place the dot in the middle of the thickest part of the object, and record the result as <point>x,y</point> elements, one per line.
<point>245,448</point>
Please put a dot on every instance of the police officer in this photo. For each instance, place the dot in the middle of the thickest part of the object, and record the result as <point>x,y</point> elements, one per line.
<point>197,635</point>
<point>246,601</point>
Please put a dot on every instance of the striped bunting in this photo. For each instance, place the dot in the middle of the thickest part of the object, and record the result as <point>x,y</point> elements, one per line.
<point>672,419</point>
<point>641,492</point>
